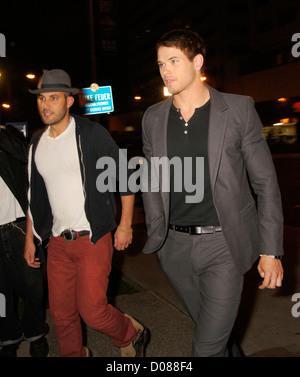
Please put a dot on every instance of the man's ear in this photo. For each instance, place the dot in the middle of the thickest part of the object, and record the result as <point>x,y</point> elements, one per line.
<point>70,101</point>
<point>198,62</point>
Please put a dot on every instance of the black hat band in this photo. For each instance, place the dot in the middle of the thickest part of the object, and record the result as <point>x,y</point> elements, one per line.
<point>44,86</point>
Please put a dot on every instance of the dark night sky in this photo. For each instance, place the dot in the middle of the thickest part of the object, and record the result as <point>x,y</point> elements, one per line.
<point>48,34</point>
<point>56,34</point>
<point>43,35</point>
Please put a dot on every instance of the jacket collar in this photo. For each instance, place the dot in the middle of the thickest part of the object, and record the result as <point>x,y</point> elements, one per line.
<point>217,128</point>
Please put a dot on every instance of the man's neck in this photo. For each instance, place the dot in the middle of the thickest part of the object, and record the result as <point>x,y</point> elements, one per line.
<point>189,100</point>
<point>59,128</point>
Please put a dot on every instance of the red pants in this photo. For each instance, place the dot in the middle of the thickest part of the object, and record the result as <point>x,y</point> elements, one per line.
<point>78,273</point>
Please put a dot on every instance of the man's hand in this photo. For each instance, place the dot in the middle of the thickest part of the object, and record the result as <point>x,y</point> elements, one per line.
<point>30,249</point>
<point>29,255</point>
<point>123,234</point>
<point>122,239</point>
<point>271,271</point>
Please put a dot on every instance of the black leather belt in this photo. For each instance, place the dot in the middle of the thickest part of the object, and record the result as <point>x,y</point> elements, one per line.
<point>18,220</point>
<point>71,235</point>
<point>195,229</point>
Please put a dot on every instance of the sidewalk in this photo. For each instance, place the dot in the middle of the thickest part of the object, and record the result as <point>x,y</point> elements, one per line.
<point>265,326</point>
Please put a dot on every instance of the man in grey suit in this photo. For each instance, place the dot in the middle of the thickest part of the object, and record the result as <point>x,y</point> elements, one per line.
<point>206,243</point>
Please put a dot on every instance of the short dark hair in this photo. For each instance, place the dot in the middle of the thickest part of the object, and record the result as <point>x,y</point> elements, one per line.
<point>186,40</point>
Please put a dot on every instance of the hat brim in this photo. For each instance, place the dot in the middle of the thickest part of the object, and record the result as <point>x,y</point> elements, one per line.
<point>72,91</point>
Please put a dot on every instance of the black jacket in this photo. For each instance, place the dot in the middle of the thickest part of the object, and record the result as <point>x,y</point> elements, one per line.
<point>93,142</point>
<point>13,163</point>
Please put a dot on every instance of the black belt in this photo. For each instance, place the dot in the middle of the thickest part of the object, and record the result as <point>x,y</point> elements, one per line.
<point>195,229</point>
<point>18,220</point>
<point>71,235</point>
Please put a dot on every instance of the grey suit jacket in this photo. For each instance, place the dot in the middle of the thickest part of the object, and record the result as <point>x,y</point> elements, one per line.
<point>238,159</point>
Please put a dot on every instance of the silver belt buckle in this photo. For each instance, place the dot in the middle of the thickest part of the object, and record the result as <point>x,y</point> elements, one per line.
<point>69,235</point>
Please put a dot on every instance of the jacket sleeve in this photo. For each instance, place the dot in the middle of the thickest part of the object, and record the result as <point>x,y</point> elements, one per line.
<point>263,179</point>
<point>107,150</point>
<point>152,199</point>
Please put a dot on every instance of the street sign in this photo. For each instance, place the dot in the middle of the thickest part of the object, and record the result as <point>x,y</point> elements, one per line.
<point>98,99</point>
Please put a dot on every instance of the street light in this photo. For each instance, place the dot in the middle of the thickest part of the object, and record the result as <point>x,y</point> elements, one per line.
<point>10,107</point>
<point>166,92</point>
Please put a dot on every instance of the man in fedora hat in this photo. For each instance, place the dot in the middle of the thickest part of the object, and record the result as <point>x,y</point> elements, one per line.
<point>65,205</point>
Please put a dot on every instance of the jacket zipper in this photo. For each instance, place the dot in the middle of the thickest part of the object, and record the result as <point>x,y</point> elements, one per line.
<point>84,177</point>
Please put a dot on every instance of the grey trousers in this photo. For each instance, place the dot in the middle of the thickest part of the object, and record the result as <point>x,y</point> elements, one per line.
<point>208,283</point>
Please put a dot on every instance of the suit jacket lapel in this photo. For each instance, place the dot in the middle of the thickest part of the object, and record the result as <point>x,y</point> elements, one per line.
<point>162,125</point>
<point>217,128</point>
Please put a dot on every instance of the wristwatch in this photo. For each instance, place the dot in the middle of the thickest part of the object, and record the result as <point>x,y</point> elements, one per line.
<point>272,256</point>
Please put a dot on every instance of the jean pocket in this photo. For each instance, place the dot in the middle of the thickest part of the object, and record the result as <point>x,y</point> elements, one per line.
<point>20,227</point>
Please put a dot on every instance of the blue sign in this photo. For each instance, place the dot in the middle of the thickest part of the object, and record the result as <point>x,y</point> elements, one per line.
<point>98,100</point>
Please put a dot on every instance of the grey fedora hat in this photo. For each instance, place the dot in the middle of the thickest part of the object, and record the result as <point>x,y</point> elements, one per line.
<point>55,80</point>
